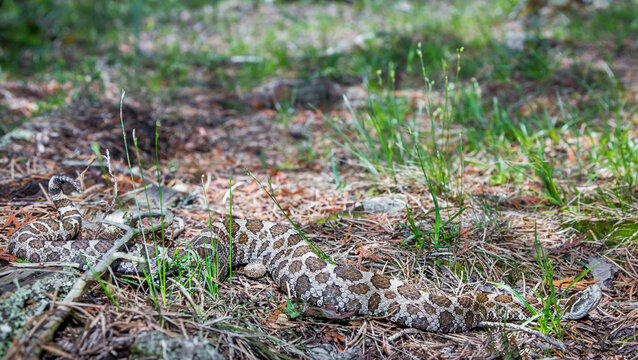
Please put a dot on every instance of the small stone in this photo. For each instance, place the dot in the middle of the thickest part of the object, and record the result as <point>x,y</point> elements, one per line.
<point>384,204</point>
<point>254,270</point>
<point>4,329</point>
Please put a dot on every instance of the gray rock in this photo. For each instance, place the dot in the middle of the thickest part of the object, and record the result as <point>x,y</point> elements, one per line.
<point>155,344</point>
<point>17,134</point>
<point>385,204</point>
<point>603,270</point>
<point>330,352</point>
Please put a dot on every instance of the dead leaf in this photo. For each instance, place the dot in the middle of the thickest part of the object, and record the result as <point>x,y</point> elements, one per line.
<point>603,270</point>
<point>369,251</point>
<point>579,285</point>
<point>526,201</point>
<point>328,312</point>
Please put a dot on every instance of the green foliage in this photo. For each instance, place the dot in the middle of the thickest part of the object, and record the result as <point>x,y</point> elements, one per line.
<point>389,135</point>
<point>440,233</point>
<point>292,309</point>
<point>616,22</point>
<point>548,318</point>
<point>553,191</point>
<point>618,153</point>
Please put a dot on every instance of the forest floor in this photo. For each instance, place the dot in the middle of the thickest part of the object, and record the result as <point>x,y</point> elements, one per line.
<point>453,145</point>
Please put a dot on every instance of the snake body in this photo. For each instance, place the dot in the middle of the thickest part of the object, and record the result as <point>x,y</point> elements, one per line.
<point>296,269</point>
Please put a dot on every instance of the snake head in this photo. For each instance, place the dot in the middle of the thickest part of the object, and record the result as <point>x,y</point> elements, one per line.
<point>579,305</point>
<point>57,181</point>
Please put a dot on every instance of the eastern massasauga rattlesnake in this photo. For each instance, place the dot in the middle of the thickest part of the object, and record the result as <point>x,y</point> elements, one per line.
<point>296,269</point>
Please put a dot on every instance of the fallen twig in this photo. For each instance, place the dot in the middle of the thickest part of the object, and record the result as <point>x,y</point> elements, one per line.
<point>34,344</point>
<point>536,333</point>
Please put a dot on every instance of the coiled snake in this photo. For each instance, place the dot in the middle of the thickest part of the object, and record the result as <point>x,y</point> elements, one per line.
<point>296,269</point>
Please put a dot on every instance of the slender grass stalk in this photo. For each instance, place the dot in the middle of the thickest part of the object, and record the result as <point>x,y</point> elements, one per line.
<point>553,192</point>
<point>211,261</point>
<point>148,279</point>
<point>271,195</point>
<point>548,319</point>
<point>230,236</point>
<point>160,260</point>
<point>162,263</point>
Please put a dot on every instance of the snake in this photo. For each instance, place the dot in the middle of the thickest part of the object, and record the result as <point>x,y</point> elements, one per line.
<point>296,269</point>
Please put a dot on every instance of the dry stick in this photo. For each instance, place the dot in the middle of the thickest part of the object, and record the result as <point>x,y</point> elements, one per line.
<point>539,334</point>
<point>401,333</point>
<point>45,334</point>
<point>536,333</point>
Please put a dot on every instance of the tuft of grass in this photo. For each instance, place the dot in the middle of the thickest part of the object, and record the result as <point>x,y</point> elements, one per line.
<point>618,153</point>
<point>553,191</point>
<point>210,270</point>
<point>440,229</point>
<point>389,135</point>
<point>548,317</point>
<point>286,108</point>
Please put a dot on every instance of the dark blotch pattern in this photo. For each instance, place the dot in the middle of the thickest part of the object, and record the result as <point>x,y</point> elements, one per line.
<point>276,258</point>
<point>409,291</point>
<point>429,309</point>
<point>69,226</point>
<point>331,295</point>
<point>35,257</point>
<point>254,226</point>
<point>231,230</point>
<point>251,248</point>
<point>36,243</point>
<point>380,281</point>
<point>469,320</point>
<point>62,203</point>
<point>302,285</point>
<point>53,224</point>
<point>280,267</point>
<point>322,277</point>
<point>242,239</point>
<point>413,310</point>
<point>104,245</point>
<point>40,227</point>
<point>278,230</point>
<point>79,245</point>
<point>446,321</point>
<point>359,288</point>
<point>421,322</point>
<point>53,256</point>
<point>315,264</point>
<point>294,239</point>
<point>506,299</point>
<point>295,266</point>
<point>300,251</point>
<point>262,248</point>
<point>277,244</point>
<point>353,306</point>
<point>283,283</point>
<point>348,273</point>
<point>465,301</point>
<point>440,300</point>
<point>373,303</point>
<point>24,237</point>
